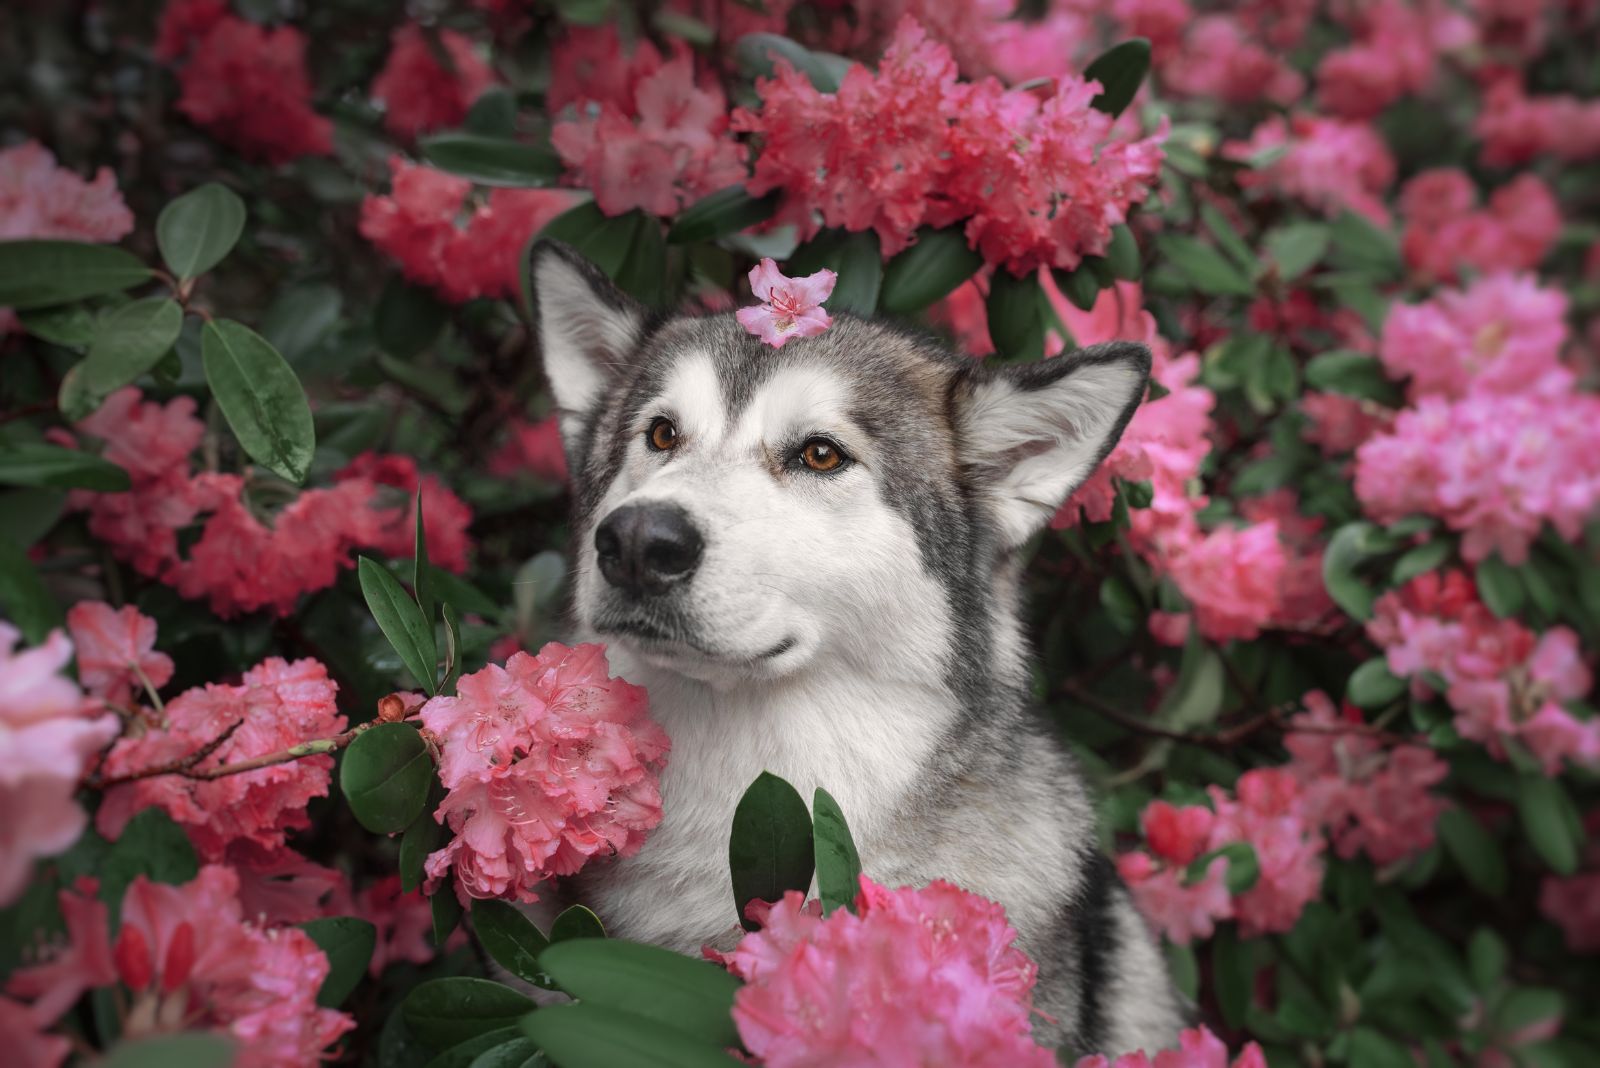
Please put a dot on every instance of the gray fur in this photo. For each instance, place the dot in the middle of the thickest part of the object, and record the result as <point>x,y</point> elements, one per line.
<point>908,697</point>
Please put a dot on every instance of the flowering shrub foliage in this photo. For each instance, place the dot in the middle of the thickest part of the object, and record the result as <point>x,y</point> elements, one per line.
<point>284,514</point>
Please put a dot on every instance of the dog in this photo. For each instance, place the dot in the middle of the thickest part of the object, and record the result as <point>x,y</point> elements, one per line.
<point>810,557</point>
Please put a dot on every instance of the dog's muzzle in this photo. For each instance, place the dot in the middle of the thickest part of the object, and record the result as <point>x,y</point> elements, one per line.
<point>646,548</point>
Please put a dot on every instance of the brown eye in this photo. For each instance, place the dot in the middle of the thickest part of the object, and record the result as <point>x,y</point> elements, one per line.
<point>820,454</point>
<point>663,435</point>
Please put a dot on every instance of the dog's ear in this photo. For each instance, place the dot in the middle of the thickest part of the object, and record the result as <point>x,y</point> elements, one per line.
<point>586,326</point>
<point>1034,432</point>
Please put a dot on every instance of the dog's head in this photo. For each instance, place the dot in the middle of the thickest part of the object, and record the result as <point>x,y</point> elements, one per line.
<point>745,512</point>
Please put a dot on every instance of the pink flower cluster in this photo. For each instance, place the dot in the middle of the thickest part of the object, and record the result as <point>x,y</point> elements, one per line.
<point>1505,683</point>
<point>244,84</point>
<point>429,224</point>
<point>1370,798</point>
<point>931,974</point>
<point>1573,902</point>
<point>49,735</point>
<point>40,200</point>
<point>1232,55</point>
<point>549,762</point>
<point>642,132</point>
<point>1327,164</point>
<point>1338,424</point>
<point>1502,334</point>
<point>186,959</point>
<point>1395,54</point>
<point>1268,810</point>
<point>1197,1048</point>
<point>417,91</point>
<point>1035,183</point>
<point>532,447</point>
<point>1516,128</point>
<point>1446,231</point>
<point>241,561</point>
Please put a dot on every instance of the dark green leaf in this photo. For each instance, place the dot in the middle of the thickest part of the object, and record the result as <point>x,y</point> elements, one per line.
<point>348,944</point>
<point>1527,1008</point>
<point>408,319</point>
<point>1474,850</point>
<point>1373,685</point>
<point>129,342</point>
<point>151,845</point>
<point>191,1049</point>
<point>1352,373</point>
<point>496,1047</point>
<point>1119,70</point>
<point>385,776</point>
<point>1184,969</point>
<point>24,600</point>
<point>420,571</point>
<point>1080,287</point>
<point>1363,248</point>
<point>424,836</point>
<point>838,863</point>
<point>1370,1049</point>
<point>599,1036</point>
<point>770,849</point>
<point>447,914</point>
<point>71,326</point>
<point>261,397</point>
<point>602,239</point>
<point>1229,240</point>
<point>1544,806</point>
<point>1296,248</point>
<point>1351,546</point>
<point>576,921</point>
<point>1499,586</point>
<point>1015,315</point>
<point>854,257</point>
<point>452,650</point>
<point>688,995</point>
<point>494,113</point>
<point>511,939</point>
<point>198,229</point>
<point>402,623</point>
<point>756,55</point>
<point>62,468</point>
<point>1206,269</point>
<point>1196,698</point>
<point>1123,254</point>
<point>38,274</point>
<point>497,161</point>
<point>1233,970</point>
<point>1419,561</point>
<point>443,1012</point>
<point>724,212</point>
<point>645,271</point>
<point>300,317</point>
<point>931,268</point>
<point>1486,957</point>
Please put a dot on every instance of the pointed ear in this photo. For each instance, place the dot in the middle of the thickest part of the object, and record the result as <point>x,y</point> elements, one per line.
<point>586,326</point>
<point>1036,431</point>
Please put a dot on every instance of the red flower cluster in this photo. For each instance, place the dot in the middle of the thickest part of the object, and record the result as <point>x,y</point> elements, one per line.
<point>246,85</point>
<point>640,131</point>
<point>1327,164</point>
<point>1034,183</point>
<point>1516,127</point>
<point>440,239</point>
<point>241,562</point>
<point>419,92</point>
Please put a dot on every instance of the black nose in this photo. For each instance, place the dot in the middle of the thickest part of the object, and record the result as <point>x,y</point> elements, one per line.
<point>645,548</point>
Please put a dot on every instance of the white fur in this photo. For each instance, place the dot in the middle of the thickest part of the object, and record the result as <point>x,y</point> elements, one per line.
<point>579,337</point>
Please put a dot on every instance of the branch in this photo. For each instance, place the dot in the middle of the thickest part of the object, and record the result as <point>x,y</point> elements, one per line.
<point>186,767</point>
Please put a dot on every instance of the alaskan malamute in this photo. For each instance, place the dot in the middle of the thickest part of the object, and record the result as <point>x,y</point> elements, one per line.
<point>809,555</point>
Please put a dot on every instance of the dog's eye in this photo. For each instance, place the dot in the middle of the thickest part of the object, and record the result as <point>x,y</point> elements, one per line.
<point>662,435</point>
<point>820,454</point>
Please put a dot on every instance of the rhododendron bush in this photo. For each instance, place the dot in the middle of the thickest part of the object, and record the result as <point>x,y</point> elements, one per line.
<point>289,728</point>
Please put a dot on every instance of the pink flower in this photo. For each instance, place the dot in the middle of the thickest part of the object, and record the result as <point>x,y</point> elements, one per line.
<point>40,200</point>
<point>418,92</point>
<point>532,447</point>
<point>1516,128</point>
<point>276,705</point>
<point>921,976</point>
<point>1232,579</point>
<point>245,84</point>
<point>548,762</point>
<point>1338,424</point>
<point>1269,812</point>
<point>1177,835</point>
<point>116,651</point>
<point>445,517</point>
<point>404,922</point>
<point>1197,1048</point>
<point>1368,798</point>
<point>1395,55</point>
<point>1176,909</point>
<point>1573,903</point>
<point>48,735</point>
<point>1328,164</point>
<point>1445,232</point>
<point>790,307</point>
<point>1220,61</point>
<point>26,1040</point>
<point>190,962</point>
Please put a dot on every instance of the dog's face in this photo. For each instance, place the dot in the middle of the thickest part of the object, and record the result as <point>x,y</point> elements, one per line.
<point>745,512</point>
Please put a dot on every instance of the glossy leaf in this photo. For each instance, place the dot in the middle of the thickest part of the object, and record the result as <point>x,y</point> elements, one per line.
<point>770,850</point>
<point>756,55</point>
<point>854,257</point>
<point>1500,586</point>
<point>576,921</point>
<point>724,212</point>
<point>443,1012</point>
<point>599,1036</point>
<point>837,862</point>
<point>1122,254</point>
<point>511,939</point>
<point>1373,685</point>
<point>401,621</point>
<point>1015,316</point>
<point>151,845</point>
<point>260,396</point>
<point>688,995</point>
<point>938,262</point>
<point>385,775</point>
<point>62,468</point>
<point>494,161</point>
<point>195,231</point>
<point>1120,70</point>
<point>129,342</point>
<point>1296,248</point>
<point>38,274</point>
<point>348,943</point>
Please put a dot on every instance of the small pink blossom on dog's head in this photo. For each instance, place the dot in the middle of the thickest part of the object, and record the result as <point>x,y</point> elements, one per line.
<point>790,307</point>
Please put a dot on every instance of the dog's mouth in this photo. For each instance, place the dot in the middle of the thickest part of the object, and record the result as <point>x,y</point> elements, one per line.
<point>653,636</point>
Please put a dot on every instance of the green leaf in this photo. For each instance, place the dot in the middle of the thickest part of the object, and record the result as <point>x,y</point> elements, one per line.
<point>402,623</point>
<point>511,939</point>
<point>1121,604</point>
<point>447,914</point>
<point>1546,811</point>
<point>496,161</point>
<point>300,317</point>
<point>1487,957</point>
<point>598,1036</point>
<point>1297,247</point>
<point>854,257</point>
<point>838,863</point>
<point>1499,586</point>
<point>443,1012</point>
<point>688,995</point>
<point>1360,246</point>
<point>24,600</point>
<point>151,845</point>
<point>260,396</point>
<point>385,776</point>
<point>408,319</point>
<point>938,262</point>
<point>62,468</point>
<point>1474,851</point>
<point>756,55</point>
<point>38,274</point>
<point>1195,699</point>
<point>1233,971</point>
<point>1230,241</point>
<point>129,342</point>
<point>1351,546</point>
<point>191,1049</point>
<point>576,921</point>
<point>1080,287</point>
<point>1119,70</point>
<point>494,113</point>
<point>423,836</point>
<point>727,211</point>
<point>1206,269</point>
<point>1244,869</point>
<point>1527,1007</point>
<point>506,1046</point>
<point>1016,319</point>
<point>71,325</point>
<point>1419,561</point>
<point>770,850</point>
<point>1371,1049</point>
<point>195,231</point>
<point>1184,969</point>
<point>452,650</point>
<point>645,271</point>
<point>419,565</point>
<point>1373,685</point>
<point>348,944</point>
<point>1122,254</point>
<point>604,240</point>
